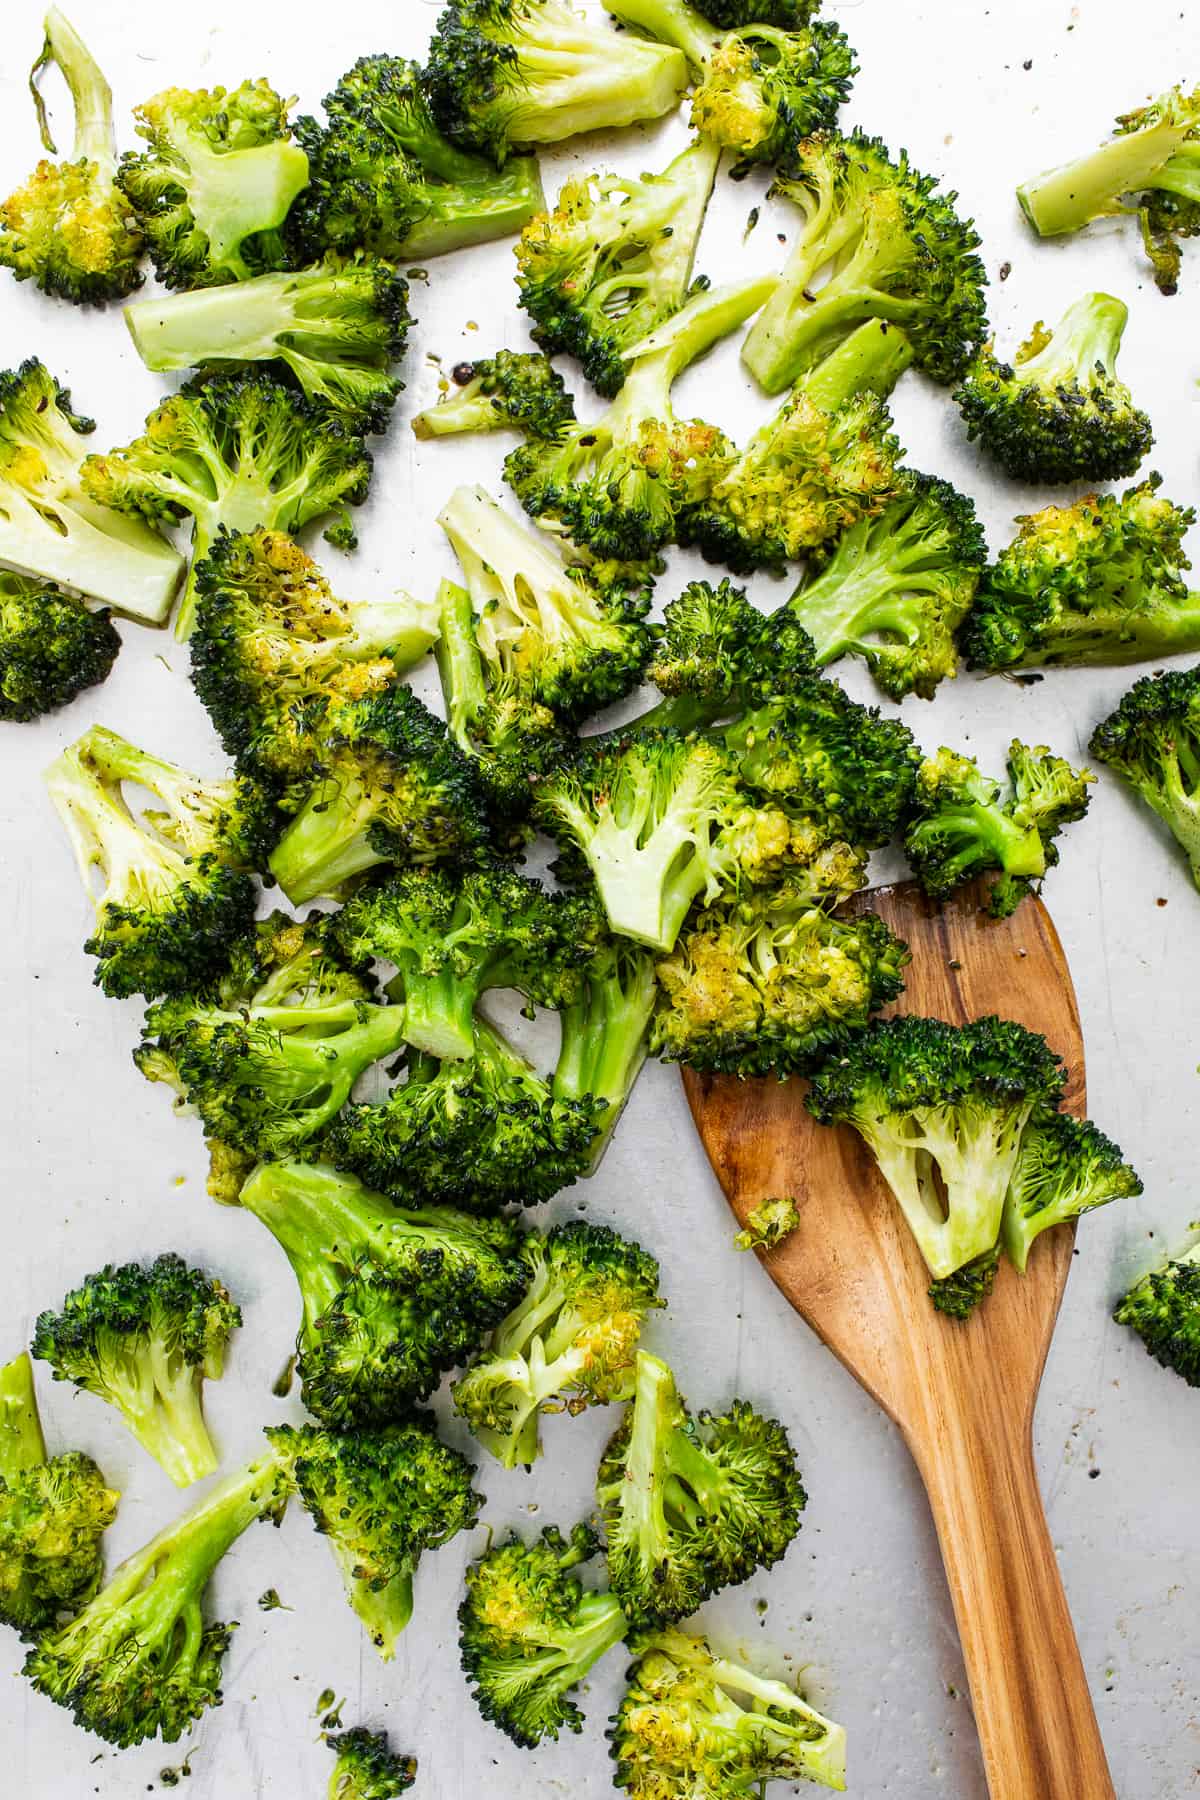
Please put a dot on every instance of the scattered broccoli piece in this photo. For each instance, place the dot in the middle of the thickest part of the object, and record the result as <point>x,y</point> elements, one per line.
<point>382,1498</point>
<point>49,528</point>
<point>391,787</point>
<point>506,74</point>
<point>769,1224</point>
<point>1065,1168</point>
<point>896,250</point>
<point>68,227</point>
<point>214,186</point>
<point>1060,414</point>
<point>175,890</point>
<point>956,1296</point>
<point>691,1723</point>
<point>568,1344</point>
<point>529,1632</point>
<point>965,823</point>
<point>1164,1309</point>
<point>139,1659</point>
<point>52,647</point>
<point>53,1513</point>
<point>605,1031</point>
<point>1151,167</point>
<point>146,1337</point>
<point>943,1109</point>
<point>773,982</point>
<point>367,1767</point>
<point>511,391</point>
<point>716,655</point>
<point>1152,741</point>
<point>618,484</point>
<point>1099,581</point>
<point>392,1294</point>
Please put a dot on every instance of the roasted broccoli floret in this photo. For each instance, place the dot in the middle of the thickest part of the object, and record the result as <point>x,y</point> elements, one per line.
<point>619,483</point>
<point>214,186</point>
<point>51,529</point>
<point>943,1109</point>
<point>382,1498</point>
<point>769,1224</point>
<point>1099,581</point>
<point>175,892</point>
<point>568,1344</point>
<point>54,1510</point>
<point>52,647</point>
<point>1151,167</point>
<point>772,982</point>
<point>1152,741</point>
<point>894,248</point>
<point>367,1767</point>
<point>1060,414</point>
<point>529,1632</point>
<point>511,391</point>
<point>964,823</point>
<point>69,227</point>
<point>1065,1168</point>
<point>691,1723</point>
<point>146,1337</point>
<point>716,656</point>
<point>957,1296</point>
<point>390,787</point>
<point>139,1660</point>
<point>505,74</point>
<point>1164,1309</point>
<point>605,1030</point>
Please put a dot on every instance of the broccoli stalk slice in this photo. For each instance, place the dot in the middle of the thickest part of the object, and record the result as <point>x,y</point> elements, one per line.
<point>671,22</point>
<point>22,1445</point>
<point>328,842</point>
<point>787,1738</point>
<point>91,96</point>
<point>1088,335</point>
<point>1067,198</point>
<point>605,1037</point>
<point>459,663</point>
<point>977,820</point>
<point>870,361</point>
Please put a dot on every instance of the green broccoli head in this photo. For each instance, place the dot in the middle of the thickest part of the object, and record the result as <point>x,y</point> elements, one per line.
<point>511,391</point>
<point>1152,741</point>
<point>763,90</point>
<point>716,655</point>
<point>367,1767</point>
<point>957,1296</point>
<point>1065,1168</point>
<point>52,647</point>
<point>1164,1310</point>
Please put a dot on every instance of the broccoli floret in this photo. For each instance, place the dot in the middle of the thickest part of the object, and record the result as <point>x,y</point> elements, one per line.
<point>511,391</point>
<point>507,74</point>
<point>275,651</point>
<point>943,1109</point>
<point>146,1337</point>
<point>367,1767</point>
<point>214,186</point>
<point>1065,1168</point>
<point>957,1296</point>
<point>391,787</point>
<point>1152,741</point>
<point>692,1504</point>
<point>773,982</point>
<point>233,453</point>
<point>51,529</point>
<point>965,824</point>
<point>605,1029</point>
<point>529,1632</point>
<point>1060,414</point>
<point>52,647</point>
<point>175,892</point>
<point>54,1510</point>
<point>716,656</point>
<point>139,1660</point>
<point>619,484</point>
<point>827,459</point>
<point>382,1498</point>
<point>895,588</point>
<point>1099,581</point>
<point>567,1345</point>
<point>730,15</point>
<point>1150,167</point>
<point>1164,1309</point>
<point>691,1723</point>
<point>68,227</point>
<point>895,249</point>
<point>269,1055</point>
<point>769,1224</point>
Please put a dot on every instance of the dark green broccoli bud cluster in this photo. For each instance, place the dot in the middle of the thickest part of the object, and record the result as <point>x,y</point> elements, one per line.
<point>140,1660</point>
<point>52,647</point>
<point>68,227</point>
<point>605,1029</point>
<point>146,1337</point>
<point>964,823</point>
<point>392,1294</point>
<point>511,391</point>
<point>213,187</point>
<point>506,74</point>
<point>716,655</point>
<point>174,890</point>
<point>692,1504</point>
<point>569,1343</point>
<point>382,1498</point>
<point>702,1725</point>
<point>769,1224</point>
<point>899,252</point>
<point>1152,741</point>
<point>1060,414</point>
<point>956,1296</point>
<point>1099,581</point>
<point>1164,1309</point>
<point>367,1767</point>
<point>1065,1168</point>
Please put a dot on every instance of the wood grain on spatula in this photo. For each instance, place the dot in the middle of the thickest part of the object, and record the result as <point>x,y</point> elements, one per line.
<point>962,1394</point>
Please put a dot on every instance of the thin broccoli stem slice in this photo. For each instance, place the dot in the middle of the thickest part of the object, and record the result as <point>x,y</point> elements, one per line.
<point>55,533</point>
<point>653,1414</point>
<point>384,1611</point>
<point>91,96</point>
<point>870,361</point>
<point>604,1041</point>
<point>655,363</point>
<point>1069,197</point>
<point>783,1724</point>
<point>163,1411</point>
<point>670,22</point>
<point>459,663</point>
<point>328,841</point>
<point>22,1445</point>
<point>465,210</point>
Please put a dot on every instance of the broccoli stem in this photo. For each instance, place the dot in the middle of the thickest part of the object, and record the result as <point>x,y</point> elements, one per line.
<point>670,22</point>
<point>22,1445</point>
<point>91,96</point>
<point>975,1162</point>
<point>328,843</point>
<point>873,585</point>
<point>644,1500</point>
<point>783,1723</point>
<point>659,359</point>
<point>1067,198</point>
<point>61,536</point>
<point>439,1011</point>
<point>384,1611</point>
<point>1089,333</point>
<point>870,361</point>
<point>468,209</point>
<point>993,839</point>
<point>604,1042</point>
<point>269,316</point>
<point>459,664</point>
<point>163,1411</point>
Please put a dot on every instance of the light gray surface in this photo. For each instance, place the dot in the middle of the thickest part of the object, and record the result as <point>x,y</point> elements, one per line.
<point>93,1165</point>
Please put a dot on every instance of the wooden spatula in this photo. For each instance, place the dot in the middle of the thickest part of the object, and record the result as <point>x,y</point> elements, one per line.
<point>962,1394</point>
